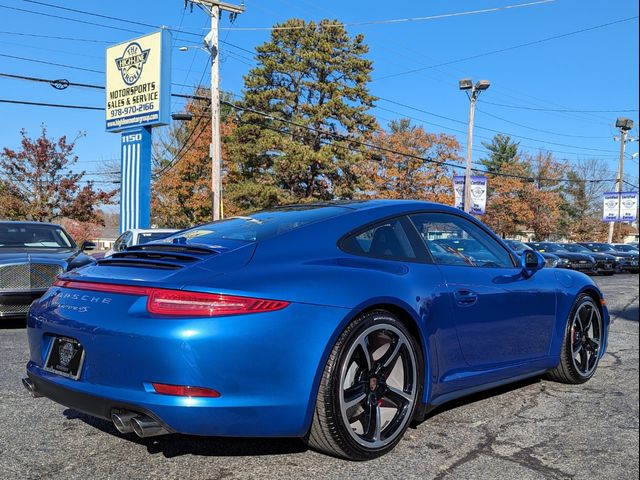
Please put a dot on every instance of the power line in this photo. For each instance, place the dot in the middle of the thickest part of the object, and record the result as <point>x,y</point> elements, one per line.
<point>538,129</point>
<point>54,37</point>
<point>506,49</point>
<point>337,136</point>
<point>493,130</point>
<point>521,107</point>
<point>55,105</point>
<point>197,97</point>
<point>125,20</point>
<point>14,57</point>
<point>396,20</point>
<point>376,147</point>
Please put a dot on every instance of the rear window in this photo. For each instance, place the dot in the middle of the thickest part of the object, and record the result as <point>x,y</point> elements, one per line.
<point>150,237</point>
<point>258,226</point>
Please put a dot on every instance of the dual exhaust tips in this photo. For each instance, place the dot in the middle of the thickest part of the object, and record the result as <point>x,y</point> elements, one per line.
<point>125,421</point>
<point>142,425</point>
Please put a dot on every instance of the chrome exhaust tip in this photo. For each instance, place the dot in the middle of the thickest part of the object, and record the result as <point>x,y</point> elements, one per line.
<point>31,387</point>
<point>122,420</point>
<point>144,427</point>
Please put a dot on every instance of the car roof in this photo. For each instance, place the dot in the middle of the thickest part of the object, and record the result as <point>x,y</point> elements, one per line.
<point>368,204</point>
<point>30,222</point>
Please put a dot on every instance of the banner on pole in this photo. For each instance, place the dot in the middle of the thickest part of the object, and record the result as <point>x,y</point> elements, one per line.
<point>478,194</point>
<point>628,206</point>
<point>611,203</point>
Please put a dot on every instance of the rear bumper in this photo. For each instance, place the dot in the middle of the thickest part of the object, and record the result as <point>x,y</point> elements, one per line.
<point>266,367</point>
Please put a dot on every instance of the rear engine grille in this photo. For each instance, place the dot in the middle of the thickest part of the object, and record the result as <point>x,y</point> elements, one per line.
<point>28,276</point>
<point>170,257</point>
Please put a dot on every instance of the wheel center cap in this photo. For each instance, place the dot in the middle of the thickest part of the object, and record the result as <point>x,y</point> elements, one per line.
<point>373,384</point>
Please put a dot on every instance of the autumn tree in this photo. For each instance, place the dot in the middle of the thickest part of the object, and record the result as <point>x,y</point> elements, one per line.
<point>409,163</point>
<point>582,212</point>
<point>508,211</point>
<point>181,193</point>
<point>42,185</point>
<point>81,231</point>
<point>311,80</point>
<point>544,195</point>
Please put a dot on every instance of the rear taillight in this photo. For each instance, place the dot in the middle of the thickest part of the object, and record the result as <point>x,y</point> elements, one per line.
<point>189,304</point>
<point>180,303</point>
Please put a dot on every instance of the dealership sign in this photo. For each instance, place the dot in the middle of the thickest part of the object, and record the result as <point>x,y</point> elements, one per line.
<point>620,207</point>
<point>138,86</point>
<point>478,194</point>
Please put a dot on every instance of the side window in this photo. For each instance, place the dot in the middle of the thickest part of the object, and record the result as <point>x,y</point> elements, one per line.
<point>453,240</point>
<point>121,242</point>
<point>385,240</point>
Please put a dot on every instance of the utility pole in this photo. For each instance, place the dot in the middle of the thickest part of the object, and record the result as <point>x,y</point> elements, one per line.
<point>473,91</point>
<point>624,124</point>
<point>214,8</point>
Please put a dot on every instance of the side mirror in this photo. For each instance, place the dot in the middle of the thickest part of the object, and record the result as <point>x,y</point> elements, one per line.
<point>88,246</point>
<point>531,261</point>
<point>122,247</point>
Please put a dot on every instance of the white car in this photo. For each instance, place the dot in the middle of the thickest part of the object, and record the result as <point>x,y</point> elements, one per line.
<point>138,237</point>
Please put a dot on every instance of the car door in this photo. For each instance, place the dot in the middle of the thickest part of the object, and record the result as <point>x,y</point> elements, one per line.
<point>501,316</point>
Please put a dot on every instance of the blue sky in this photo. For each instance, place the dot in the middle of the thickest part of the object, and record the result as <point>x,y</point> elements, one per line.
<point>593,70</point>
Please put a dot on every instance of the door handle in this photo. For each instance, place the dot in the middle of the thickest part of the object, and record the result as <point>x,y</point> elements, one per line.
<point>466,298</point>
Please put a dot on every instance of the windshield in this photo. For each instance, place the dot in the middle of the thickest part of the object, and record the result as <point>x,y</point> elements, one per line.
<point>576,248</point>
<point>150,237</point>
<point>627,248</point>
<point>17,235</point>
<point>547,247</point>
<point>600,247</point>
<point>258,226</point>
<point>517,245</point>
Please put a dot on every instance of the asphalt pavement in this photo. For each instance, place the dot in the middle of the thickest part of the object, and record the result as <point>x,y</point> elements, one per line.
<point>531,430</point>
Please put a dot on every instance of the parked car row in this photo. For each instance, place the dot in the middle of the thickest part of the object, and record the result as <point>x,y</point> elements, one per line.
<point>593,258</point>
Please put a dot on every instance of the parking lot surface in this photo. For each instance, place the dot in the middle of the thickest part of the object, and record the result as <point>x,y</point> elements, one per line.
<point>533,429</point>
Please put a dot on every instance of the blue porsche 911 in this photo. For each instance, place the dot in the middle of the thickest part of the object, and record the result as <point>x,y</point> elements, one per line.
<point>337,323</point>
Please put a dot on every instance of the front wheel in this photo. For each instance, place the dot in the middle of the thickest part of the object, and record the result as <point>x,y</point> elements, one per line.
<point>582,343</point>
<point>369,390</point>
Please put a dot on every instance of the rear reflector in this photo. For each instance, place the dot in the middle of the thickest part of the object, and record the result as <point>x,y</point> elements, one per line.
<point>184,391</point>
<point>181,303</point>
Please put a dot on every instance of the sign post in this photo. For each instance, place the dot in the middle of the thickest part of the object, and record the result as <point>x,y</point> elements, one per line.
<point>138,98</point>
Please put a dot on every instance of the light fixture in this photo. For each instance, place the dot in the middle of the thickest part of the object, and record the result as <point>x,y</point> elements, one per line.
<point>465,84</point>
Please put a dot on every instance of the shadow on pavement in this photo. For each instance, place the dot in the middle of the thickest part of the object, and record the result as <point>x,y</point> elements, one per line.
<point>175,445</point>
<point>476,397</point>
<point>630,313</point>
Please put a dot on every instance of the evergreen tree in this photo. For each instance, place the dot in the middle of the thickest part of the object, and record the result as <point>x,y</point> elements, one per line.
<point>315,76</point>
<point>503,153</point>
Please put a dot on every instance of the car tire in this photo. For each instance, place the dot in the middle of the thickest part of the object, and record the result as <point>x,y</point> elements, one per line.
<point>581,344</point>
<point>376,360</point>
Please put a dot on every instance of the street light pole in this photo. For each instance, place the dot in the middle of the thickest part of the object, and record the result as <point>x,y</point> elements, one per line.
<point>473,91</point>
<point>624,124</point>
<point>215,149</point>
<point>467,176</point>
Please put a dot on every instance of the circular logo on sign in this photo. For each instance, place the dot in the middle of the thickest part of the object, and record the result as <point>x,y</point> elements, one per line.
<point>132,62</point>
